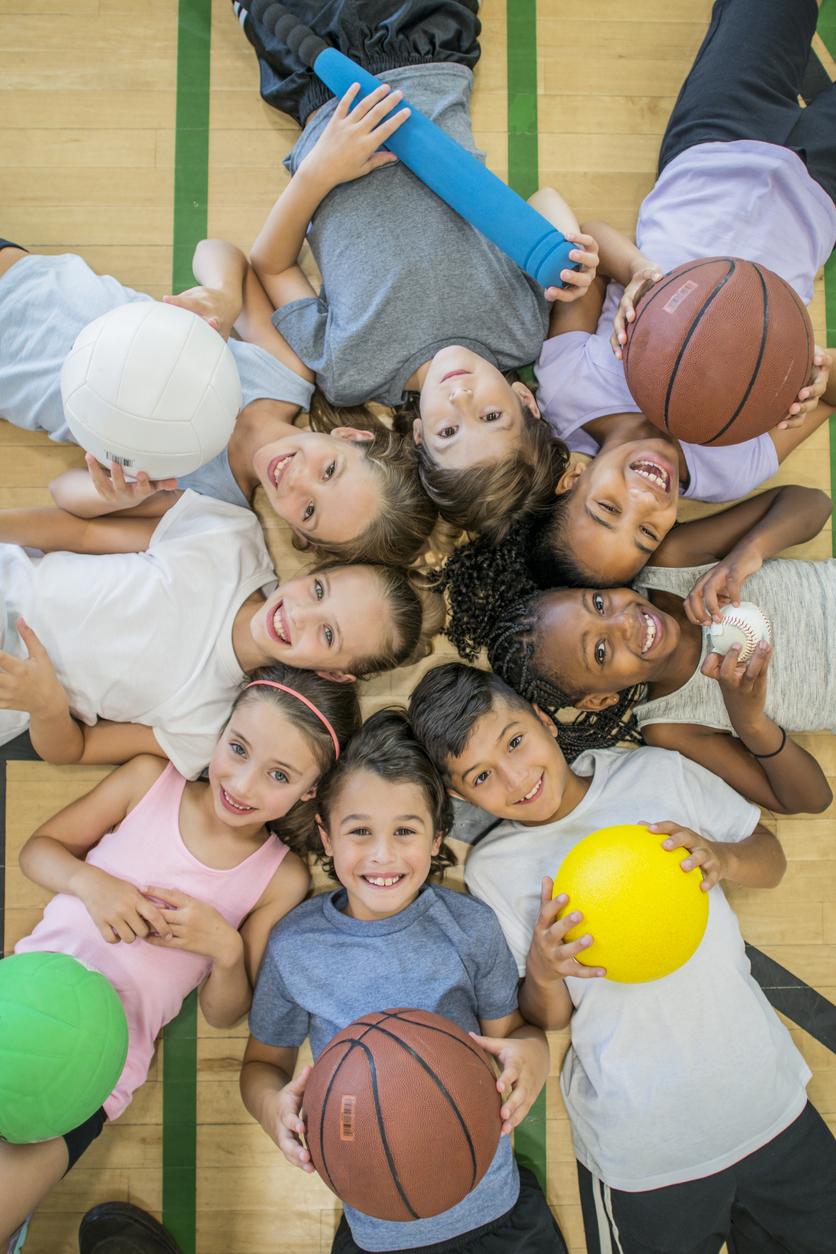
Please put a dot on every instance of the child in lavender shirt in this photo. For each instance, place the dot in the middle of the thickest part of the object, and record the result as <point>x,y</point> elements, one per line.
<point>744,171</point>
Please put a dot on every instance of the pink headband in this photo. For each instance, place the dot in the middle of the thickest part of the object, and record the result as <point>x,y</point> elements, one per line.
<point>270,683</point>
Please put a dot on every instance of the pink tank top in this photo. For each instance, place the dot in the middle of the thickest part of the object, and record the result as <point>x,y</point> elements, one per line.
<point>152,982</point>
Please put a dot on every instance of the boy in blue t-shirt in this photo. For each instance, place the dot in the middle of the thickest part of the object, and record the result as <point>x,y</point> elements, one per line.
<point>686,1095</point>
<point>385,939</point>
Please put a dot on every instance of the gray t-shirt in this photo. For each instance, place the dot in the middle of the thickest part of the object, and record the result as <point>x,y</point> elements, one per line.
<point>680,1077</point>
<point>445,953</point>
<point>403,275</point>
<point>46,301</point>
<point>799,599</point>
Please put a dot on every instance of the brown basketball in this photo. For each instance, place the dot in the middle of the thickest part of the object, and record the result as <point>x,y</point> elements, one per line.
<point>402,1114</point>
<point>718,351</point>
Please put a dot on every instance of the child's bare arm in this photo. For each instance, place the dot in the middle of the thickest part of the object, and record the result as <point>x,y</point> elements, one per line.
<point>92,493</point>
<point>758,861</point>
<point>739,540</point>
<point>274,1099</point>
<point>56,531</point>
<point>544,998</point>
<point>219,268</point>
<point>523,1054</point>
<point>346,150</point>
<point>253,324</point>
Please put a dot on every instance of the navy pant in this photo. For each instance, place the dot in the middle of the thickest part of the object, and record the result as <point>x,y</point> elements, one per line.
<point>745,81</point>
<point>779,1200</point>
<point>380,35</point>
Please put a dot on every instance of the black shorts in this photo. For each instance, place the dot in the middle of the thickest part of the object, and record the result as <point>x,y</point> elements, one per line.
<point>779,1200</point>
<point>745,82</point>
<point>7,243</point>
<point>527,1228</point>
<point>82,1137</point>
<point>377,34</point>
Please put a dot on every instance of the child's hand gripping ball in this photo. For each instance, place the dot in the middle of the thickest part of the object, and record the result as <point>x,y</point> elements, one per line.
<point>402,1114</point>
<point>646,914</point>
<point>744,624</point>
<point>63,1044</point>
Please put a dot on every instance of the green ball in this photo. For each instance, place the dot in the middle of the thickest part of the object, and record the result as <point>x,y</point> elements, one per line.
<point>63,1044</point>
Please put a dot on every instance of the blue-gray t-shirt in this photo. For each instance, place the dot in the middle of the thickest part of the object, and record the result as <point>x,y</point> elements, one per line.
<point>46,301</point>
<point>444,953</point>
<point>403,275</point>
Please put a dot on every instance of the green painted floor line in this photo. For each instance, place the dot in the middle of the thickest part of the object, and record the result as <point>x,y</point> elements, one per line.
<point>180,1125</point>
<point>530,1140</point>
<point>191,151</point>
<point>523,162</point>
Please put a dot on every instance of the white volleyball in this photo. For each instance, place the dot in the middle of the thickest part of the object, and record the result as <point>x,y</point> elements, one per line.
<point>745,624</point>
<point>152,387</point>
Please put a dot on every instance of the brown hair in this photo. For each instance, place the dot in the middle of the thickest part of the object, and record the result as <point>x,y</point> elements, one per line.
<point>400,530</point>
<point>488,500</point>
<point>339,704</point>
<point>386,746</point>
<point>416,614</point>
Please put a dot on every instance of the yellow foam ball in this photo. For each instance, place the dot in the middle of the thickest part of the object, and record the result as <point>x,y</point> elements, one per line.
<point>647,916</point>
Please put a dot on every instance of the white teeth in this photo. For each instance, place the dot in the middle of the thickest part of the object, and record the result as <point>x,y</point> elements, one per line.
<point>235,804</point>
<point>529,795</point>
<point>652,473</point>
<point>279,467</point>
<point>650,635</point>
<point>277,625</point>
<point>381,881</point>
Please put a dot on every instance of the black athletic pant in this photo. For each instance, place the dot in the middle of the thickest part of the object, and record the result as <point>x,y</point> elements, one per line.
<point>744,84</point>
<point>527,1228</point>
<point>380,35</point>
<point>779,1200</point>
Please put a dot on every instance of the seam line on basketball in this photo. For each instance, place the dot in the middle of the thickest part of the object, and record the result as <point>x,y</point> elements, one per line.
<point>761,351</point>
<point>691,331</point>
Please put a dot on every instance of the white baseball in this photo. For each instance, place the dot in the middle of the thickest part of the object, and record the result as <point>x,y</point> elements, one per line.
<point>745,624</point>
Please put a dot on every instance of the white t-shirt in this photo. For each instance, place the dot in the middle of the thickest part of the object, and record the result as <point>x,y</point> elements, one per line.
<point>681,1077</point>
<point>741,199</point>
<point>46,301</point>
<point>147,637</point>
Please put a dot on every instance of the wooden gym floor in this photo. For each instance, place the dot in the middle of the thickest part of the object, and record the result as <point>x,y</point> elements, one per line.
<point>95,103</point>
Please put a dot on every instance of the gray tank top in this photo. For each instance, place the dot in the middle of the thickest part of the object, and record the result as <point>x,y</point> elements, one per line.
<point>799,599</point>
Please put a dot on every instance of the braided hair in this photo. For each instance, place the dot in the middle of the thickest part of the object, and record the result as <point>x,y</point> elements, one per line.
<point>512,655</point>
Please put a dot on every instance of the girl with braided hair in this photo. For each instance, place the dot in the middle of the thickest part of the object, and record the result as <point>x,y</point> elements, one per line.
<point>644,652</point>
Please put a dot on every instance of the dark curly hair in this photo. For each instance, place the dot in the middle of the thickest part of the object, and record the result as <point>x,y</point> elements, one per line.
<point>482,579</point>
<point>339,704</point>
<point>386,746</point>
<point>512,654</point>
<point>488,500</point>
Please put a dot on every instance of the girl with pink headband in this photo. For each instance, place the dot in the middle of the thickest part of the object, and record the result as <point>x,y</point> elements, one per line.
<point>162,883</point>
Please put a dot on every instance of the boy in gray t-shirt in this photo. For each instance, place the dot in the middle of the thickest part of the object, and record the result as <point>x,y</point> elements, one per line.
<point>389,939</point>
<point>686,1094</point>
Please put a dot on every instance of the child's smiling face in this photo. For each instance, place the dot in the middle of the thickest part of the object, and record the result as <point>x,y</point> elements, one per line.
<point>322,485</point>
<point>262,765</point>
<point>470,414</point>
<point>380,835</point>
<point>622,506</point>
<point>512,765</point>
<point>325,622</point>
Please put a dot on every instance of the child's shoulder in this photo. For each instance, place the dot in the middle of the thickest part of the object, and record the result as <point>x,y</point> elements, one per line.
<point>471,914</point>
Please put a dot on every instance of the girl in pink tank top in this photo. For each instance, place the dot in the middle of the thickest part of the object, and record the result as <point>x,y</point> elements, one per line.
<point>162,883</point>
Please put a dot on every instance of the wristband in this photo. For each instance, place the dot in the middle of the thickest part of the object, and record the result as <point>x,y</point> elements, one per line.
<point>777,751</point>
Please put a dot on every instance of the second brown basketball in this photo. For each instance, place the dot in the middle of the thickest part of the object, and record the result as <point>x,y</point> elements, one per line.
<point>718,351</point>
<point>402,1114</point>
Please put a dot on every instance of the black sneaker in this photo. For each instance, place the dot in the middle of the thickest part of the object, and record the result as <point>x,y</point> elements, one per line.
<point>119,1228</point>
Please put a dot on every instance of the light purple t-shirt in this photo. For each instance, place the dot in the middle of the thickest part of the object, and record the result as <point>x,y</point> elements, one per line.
<point>742,199</point>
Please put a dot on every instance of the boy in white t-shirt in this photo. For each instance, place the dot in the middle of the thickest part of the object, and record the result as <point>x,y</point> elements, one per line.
<point>686,1095</point>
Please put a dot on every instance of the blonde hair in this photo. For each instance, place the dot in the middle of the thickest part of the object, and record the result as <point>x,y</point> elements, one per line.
<point>401,529</point>
<point>416,613</point>
<point>488,500</point>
